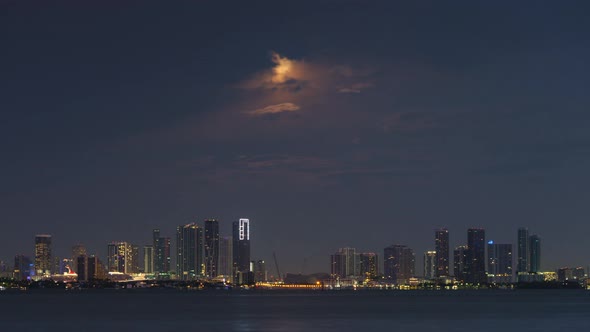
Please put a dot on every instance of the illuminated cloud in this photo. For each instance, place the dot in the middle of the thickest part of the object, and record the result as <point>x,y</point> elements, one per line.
<point>273,109</point>
<point>285,74</point>
<point>292,76</point>
<point>284,68</point>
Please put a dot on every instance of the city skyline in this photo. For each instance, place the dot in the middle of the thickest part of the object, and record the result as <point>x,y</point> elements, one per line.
<point>166,244</point>
<point>331,124</point>
<point>473,264</point>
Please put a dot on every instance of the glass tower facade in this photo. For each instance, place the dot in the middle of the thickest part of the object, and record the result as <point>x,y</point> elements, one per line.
<point>399,263</point>
<point>476,260</point>
<point>43,255</point>
<point>161,253</point>
<point>430,270</point>
<point>189,254</point>
<point>211,248</point>
<point>523,252</point>
<point>369,264</point>
<point>241,250</point>
<point>535,253</point>
<point>441,237</point>
<point>460,263</point>
<point>499,262</point>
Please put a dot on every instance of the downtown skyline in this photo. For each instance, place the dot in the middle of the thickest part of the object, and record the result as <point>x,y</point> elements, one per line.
<point>330,124</point>
<point>176,247</point>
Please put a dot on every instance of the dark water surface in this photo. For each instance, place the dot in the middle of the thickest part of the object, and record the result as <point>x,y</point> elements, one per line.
<point>160,310</point>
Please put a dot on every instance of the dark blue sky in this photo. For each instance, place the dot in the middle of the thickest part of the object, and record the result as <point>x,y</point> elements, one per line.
<point>327,123</point>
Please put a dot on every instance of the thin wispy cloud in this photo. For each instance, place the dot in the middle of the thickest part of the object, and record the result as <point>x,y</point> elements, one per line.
<point>274,109</point>
<point>355,88</point>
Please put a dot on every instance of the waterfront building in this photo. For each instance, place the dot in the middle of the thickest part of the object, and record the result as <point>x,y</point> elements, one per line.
<point>189,255</point>
<point>578,273</point>
<point>89,268</point>
<point>476,262</point>
<point>225,265</point>
<point>565,274</point>
<point>23,267</point>
<point>399,263</point>
<point>460,263</point>
<point>535,253</point>
<point>430,261</point>
<point>5,271</point>
<point>499,262</point>
<point>148,259</point>
<point>211,248</point>
<point>344,263</point>
<point>55,269</point>
<point>161,253</point>
<point>441,237</point>
<point>523,252</point>
<point>369,265</point>
<point>82,267</point>
<point>120,257</point>
<point>571,274</point>
<point>77,251</point>
<point>241,251</point>
<point>135,261</point>
<point>528,277</point>
<point>43,260</point>
<point>259,269</point>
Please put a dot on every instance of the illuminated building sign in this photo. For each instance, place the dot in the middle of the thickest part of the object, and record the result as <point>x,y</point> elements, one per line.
<point>244,229</point>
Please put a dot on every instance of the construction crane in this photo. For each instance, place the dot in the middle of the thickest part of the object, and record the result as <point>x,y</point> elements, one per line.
<point>274,255</point>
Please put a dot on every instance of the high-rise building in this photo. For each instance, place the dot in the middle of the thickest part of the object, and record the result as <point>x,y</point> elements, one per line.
<point>430,268</point>
<point>476,260</point>
<point>441,239</point>
<point>135,261</point>
<point>369,264</point>
<point>211,247</point>
<point>82,266</point>
<point>23,267</point>
<point>565,274</point>
<point>55,269</point>
<point>535,253</point>
<point>399,263</point>
<point>578,273</point>
<point>344,263</point>
<point>93,266</point>
<point>161,253</point>
<point>88,267</point>
<point>225,265</point>
<point>43,260</point>
<point>189,254</point>
<point>259,268</point>
<point>155,236</point>
<point>241,251</point>
<point>460,263</point>
<point>148,259</point>
<point>77,251</point>
<point>523,252</point>
<point>499,262</point>
<point>121,257</point>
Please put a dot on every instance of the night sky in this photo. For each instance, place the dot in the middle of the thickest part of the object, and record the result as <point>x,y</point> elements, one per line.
<point>327,123</point>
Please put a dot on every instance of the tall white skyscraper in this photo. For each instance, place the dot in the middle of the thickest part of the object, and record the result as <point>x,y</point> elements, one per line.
<point>430,267</point>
